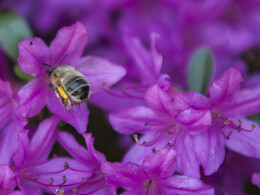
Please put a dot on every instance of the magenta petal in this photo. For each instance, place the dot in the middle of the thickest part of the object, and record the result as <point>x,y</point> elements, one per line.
<point>69,143</point>
<point>5,88</point>
<point>127,175</point>
<point>32,53</point>
<point>43,139</point>
<point>69,41</point>
<point>99,71</point>
<point>78,118</point>
<point>246,143</point>
<point>256,179</point>
<point>22,151</point>
<point>187,163</point>
<point>180,185</point>
<point>137,119</point>
<point>225,86</point>
<point>9,135</point>
<point>210,150</point>
<point>32,98</point>
<point>100,157</point>
<point>244,103</point>
<point>159,100</point>
<point>162,164</point>
<point>7,180</point>
<point>156,56</point>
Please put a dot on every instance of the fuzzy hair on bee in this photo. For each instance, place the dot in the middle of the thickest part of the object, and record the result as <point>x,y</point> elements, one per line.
<point>69,85</point>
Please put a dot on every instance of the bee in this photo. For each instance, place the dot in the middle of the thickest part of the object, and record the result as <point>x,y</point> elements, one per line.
<point>69,85</point>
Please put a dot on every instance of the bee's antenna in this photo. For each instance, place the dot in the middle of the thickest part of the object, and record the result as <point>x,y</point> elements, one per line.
<point>63,59</point>
<point>47,65</point>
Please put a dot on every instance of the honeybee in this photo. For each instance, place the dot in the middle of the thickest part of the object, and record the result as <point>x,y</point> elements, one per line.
<point>69,85</point>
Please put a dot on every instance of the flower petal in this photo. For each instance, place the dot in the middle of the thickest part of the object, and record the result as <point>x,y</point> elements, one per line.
<point>160,101</point>
<point>43,139</point>
<point>100,157</point>
<point>32,53</point>
<point>78,118</point>
<point>69,143</point>
<point>9,135</point>
<point>137,119</point>
<point>246,143</point>
<point>22,151</point>
<point>99,71</point>
<point>7,179</point>
<point>180,185</point>
<point>256,179</point>
<point>210,150</point>
<point>244,103</point>
<point>225,86</point>
<point>126,175</point>
<point>32,98</point>
<point>161,164</point>
<point>187,163</point>
<point>69,41</point>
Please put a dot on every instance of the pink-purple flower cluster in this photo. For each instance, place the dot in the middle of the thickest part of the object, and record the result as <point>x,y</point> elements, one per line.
<point>159,138</point>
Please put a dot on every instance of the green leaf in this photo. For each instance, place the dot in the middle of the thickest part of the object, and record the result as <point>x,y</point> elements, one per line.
<point>200,70</point>
<point>13,29</point>
<point>18,72</point>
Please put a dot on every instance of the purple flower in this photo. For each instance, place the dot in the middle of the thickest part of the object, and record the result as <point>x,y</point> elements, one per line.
<point>155,176</point>
<point>10,122</point>
<point>33,172</point>
<point>69,41</point>
<point>91,160</point>
<point>229,107</point>
<point>143,70</point>
<point>171,118</point>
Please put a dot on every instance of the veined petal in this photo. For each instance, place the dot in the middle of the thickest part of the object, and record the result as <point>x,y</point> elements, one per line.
<point>138,119</point>
<point>246,143</point>
<point>256,179</point>
<point>126,175</point>
<point>99,71</point>
<point>160,101</point>
<point>244,103</point>
<point>161,164</point>
<point>5,88</point>
<point>32,53</point>
<point>225,86</point>
<point>210,150</point>
<point>187,163</point>
<point>78,118</point>
<point>180,185</point>
<point>7,179</point>
<point>69,143</point>
<point>32,98</point>
<point>43,139</point>
<point>69,41</point>
<point>22,151</point>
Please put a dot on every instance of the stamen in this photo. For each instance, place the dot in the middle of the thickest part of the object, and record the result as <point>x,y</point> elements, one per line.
<point>37,176</point>
<point>59,191</point>
<point>66,165</point>
<point>154,150</point>
<point>51,180</point>
<point>83,179</point>
<point>147,144</point>
<point>74,190</point>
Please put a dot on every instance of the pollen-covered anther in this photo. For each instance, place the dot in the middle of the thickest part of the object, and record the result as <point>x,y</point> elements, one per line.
<point>51,180</point>
<point>229,134</point>
<point>74,190</point>
<point>169,143</point>
<point>37,176</point>
<point>66,165</point>
<point>133,84</point>
<point>59,191</point>
<point>122,89</point>
<point>64,178</point>
<point>83,179</point>
<point>227,122</point>
<point>146,183</point>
